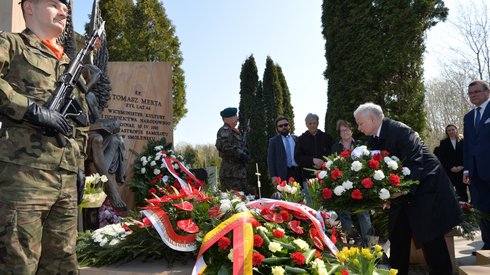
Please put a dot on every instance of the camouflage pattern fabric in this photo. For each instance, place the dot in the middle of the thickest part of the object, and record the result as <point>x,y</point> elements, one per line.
<point>46,218</point>
<point>233,171</point>
<point>38,200</point>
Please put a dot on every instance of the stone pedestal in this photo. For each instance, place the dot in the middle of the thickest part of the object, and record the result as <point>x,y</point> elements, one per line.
<point>417,255</point>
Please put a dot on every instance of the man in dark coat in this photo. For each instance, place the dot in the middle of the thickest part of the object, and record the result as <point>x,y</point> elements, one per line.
<point>280,164</point>
<point>430,209</point>
<point>476,152</point>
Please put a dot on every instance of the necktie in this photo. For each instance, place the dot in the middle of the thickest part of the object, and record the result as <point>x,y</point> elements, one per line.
<point>289,156</point>
<point>478,118</point>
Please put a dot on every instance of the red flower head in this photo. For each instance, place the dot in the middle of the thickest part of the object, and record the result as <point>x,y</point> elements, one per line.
<point>291,180</point>
<point>394,180</point>
<point>377,157</point>
<point>285,214</point>
<point>283,183</point>
<point>295,226</point>
<point>385,153</point>
<point>356,194</point>
<point>152,191</point>
<point>257,259</point>
<point>265,211</point>
<point>147,222</point>
<point>345,272</point>
<point>345,154</point>
<point>318,254</point>
<point>188,226</point>
<point>278,180</point>
<point>154,181</point>
<point>258,241</point>
<point>224,243</point>
<point>255,223</point>
<point>324,166</point>
<point>336,173</point>
<point>367,183</point>
<point>373,164</point>
<point>278,234</point>
<point>333,237</point>
<point>214,212</point>
<point>327,193</point>
<point>298,258</point>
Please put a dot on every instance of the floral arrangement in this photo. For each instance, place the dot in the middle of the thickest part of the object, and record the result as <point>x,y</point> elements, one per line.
<point>289,190</point>
<point>471,219</point>
<point>94,196</point>
<point>362,261</point>
<point>157,170</point>
<point>359,179</point>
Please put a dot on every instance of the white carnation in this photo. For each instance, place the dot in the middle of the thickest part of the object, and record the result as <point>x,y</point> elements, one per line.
<point>347,184</point>
<point>322,174</point>
<point>301,244</point>
<point>356,166</point>
<point>224,206</point>
<point>406,171</point>
<point>378,175</point>
<point>153,163</point>
<point>156,172</point>
<point>143,170</point>
<point>393,165</point>
<point>241,207</point>
<point>384,194</point>
<point>339,190</point>
<point>274,247</point>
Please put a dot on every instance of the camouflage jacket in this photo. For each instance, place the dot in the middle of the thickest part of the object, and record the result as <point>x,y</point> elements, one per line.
<point>29,70</point>
<point>229,145</point>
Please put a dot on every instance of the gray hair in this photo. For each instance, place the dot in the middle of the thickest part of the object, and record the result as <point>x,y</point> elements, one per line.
<point>311,116</point>
<point>369,108</point>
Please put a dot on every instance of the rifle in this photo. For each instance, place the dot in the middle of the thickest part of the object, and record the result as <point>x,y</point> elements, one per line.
<point>63,101</point>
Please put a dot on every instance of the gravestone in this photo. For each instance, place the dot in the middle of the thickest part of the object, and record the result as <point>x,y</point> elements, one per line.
<point>141,98</point>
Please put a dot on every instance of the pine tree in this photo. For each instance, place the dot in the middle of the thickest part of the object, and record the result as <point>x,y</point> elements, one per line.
<point>287,107</point>
<point>273,101</point>
<point>374,53</point>
<point>142,32</point>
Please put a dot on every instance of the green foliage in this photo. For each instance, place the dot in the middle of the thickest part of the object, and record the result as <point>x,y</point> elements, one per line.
<point>142,32</point>
<point>374,52</point>
<point>286,99</point>
<point>273,100</point>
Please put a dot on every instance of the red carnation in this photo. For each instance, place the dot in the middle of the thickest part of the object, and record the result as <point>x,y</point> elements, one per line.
<point>345,154</point>
<point>318,254</point>
<point>258,241</point>
<point>367,183</point>
<point>377,157</point>
<point>298,258</point>
<point>327,193</point>
<point>373,164</point>
<point>224,243</point>
<point>152,191</point>
<point>356,194</point>
<point>255,223</point>
<point>336,173</point>
<point>257,258</point>
<point>153,181</point>
<point>285,215</point>
<point>278,233</point>
<point>394,180</point>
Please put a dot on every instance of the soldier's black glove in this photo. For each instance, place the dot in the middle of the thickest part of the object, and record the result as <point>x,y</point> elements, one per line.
<point>46,118</point>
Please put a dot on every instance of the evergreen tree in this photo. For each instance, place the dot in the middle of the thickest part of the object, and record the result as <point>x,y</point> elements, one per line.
<point>374,52</point>
<point>142,32</point>
<point>287,107</point>
<point>273,101</point>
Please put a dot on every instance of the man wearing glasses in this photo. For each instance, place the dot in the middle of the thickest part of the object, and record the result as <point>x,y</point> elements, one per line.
<point>476,152</point>
<point>280,153</point>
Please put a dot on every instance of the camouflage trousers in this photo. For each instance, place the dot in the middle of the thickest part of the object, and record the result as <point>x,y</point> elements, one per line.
<point>38,224</point>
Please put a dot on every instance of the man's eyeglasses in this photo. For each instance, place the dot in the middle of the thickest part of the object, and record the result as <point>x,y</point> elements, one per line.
<point>282,125</point>
<point>475,92</point>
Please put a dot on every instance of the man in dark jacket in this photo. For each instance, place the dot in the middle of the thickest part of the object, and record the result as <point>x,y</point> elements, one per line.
<point>426,213</point>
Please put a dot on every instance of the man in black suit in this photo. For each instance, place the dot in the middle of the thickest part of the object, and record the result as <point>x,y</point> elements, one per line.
<point>430,209</point>
<point>476,153</point>
<point>280,153</point>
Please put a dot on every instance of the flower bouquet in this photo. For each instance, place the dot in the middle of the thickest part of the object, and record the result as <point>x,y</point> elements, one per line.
<point>289,190</point>
<point>360,179</point>
<point>94,195</point>
<point>362,261</point>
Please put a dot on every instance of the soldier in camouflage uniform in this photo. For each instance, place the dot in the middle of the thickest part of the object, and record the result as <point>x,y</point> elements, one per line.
<point>38,192</point>
<point>233,170</point>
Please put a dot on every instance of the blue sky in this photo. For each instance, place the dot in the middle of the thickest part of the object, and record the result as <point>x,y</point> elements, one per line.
<point>217,36</point>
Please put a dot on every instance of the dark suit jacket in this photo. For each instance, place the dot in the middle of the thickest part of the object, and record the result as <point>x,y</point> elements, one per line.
<point>476,151</point>
<point>276,157</point>
<point>431,207</point>
<point>309,147</point>
<point>450,157</point>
